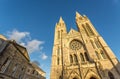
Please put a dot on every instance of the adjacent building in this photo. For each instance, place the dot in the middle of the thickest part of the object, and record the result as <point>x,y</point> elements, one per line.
<point>15,61</point>
<point>82,54</point>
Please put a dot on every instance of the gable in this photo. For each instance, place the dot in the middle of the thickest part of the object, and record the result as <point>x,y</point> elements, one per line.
<point>23,50</point>
<point>73,32</point>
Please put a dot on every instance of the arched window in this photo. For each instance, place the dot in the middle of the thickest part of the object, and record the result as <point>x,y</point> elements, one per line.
<point>111,76</point>
<point>81,57</point>
<point>97,54</point>
<point>5,65</point>
<point>86,56</point>
<point>92,44</point>
<point>89,29</point>
<point>58,34</point>
<point>85,30</point>
<point>97,44</point>
<point>75,58</point>
<point>58,61</point>
<point>58,51</point>
<point>103,54</point>
<point>71,59</point>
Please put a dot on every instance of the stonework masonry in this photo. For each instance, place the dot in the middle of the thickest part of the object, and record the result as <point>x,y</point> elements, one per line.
<point>82,54</point>
<point>15,62</point>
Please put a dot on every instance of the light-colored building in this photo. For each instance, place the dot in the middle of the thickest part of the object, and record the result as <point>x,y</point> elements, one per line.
<point>82,54</point>
<point>15,62</point>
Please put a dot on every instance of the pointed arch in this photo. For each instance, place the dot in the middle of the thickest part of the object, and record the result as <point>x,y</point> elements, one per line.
<point>85,29</point>
<point>58,61</point>
<point>97,44</point>
<point>82,57</point>
<point>98,57</point>
<point>103,54</point>
<point>92,44</point>
<point>71,59</point>
<point>111,76</point>
<point>92,78</point>
<point>86,56</point>
<point>58,34</point>
<point>90,31</point>
<point>91,75</point>
<point>58,51</point>
<point>75,58</point>
<point>73,74</point>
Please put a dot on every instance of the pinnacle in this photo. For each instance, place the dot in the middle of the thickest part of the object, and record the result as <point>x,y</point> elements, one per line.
<point>61,20</point>
<point>78,15</point>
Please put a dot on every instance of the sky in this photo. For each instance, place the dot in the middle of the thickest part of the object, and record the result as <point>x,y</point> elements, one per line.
<point>32,22</point>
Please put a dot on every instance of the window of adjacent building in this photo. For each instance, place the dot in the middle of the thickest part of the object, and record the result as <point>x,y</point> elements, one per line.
<point>5,65</point>
<point>71,59</point>
<point>86,56</point>
<point>20,76</point>
<point>33,72</point>
<point>111,76</point>
<point>14,70</point>
<point>82,57</point>
<point>103,54</point>
<point>97,54</point>
<point>90,31</point>
<point>75,58</point>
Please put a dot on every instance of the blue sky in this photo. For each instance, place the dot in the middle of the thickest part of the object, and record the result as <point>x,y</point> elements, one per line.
<point>32,23</point>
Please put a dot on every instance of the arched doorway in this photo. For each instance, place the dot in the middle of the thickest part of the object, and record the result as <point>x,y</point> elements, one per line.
<point>92,78</point>
<point>110,75</point>
<point>75,78</point>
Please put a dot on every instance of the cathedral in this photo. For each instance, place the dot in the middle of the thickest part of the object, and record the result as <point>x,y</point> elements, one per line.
<point>82,53</point>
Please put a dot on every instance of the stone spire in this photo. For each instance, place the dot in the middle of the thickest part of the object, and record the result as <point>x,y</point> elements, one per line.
<point>78,15</point>
<point>61,20</point>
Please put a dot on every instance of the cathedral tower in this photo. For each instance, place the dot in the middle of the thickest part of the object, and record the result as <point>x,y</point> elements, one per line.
<point>82,54</point>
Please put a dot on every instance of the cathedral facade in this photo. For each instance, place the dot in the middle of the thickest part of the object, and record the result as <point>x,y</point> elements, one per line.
<point>82,54</point>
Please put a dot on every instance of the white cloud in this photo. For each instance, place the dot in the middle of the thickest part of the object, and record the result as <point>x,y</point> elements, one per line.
<point>44,56</point>
<point>24,39</point>
<point>18,36</point>
<point>34,45</point>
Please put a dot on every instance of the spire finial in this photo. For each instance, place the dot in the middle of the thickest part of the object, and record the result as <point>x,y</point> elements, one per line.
<point>61,20</point>
<point>78,15</point>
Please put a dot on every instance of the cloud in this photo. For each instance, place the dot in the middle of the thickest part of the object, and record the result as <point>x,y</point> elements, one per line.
<point>44,56</point>
<point>34,45</point>
<point>24,39</point>
<point>18,36</point>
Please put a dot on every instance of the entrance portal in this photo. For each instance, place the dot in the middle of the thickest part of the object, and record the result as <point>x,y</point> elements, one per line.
<point>92,78</point>
<point>74,78</point>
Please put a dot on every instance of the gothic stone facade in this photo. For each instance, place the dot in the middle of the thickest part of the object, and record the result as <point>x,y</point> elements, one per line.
<point>82,54</point>
<point>15,62</point>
